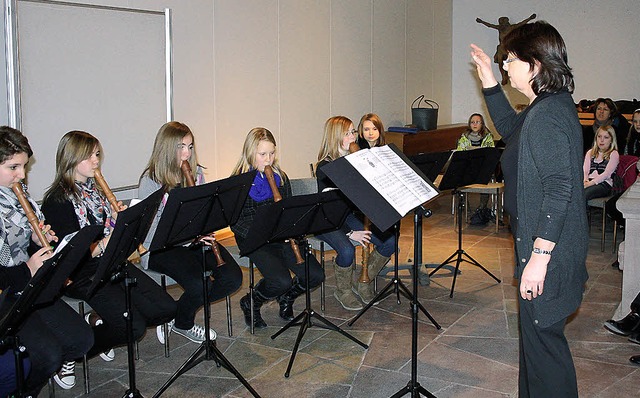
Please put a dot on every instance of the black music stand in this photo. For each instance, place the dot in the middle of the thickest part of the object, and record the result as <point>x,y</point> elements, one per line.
<point>431,164</point>
<point>292,217</point>
<point>466,168</point>
<point>41,289</point>
<point>413,386</point>
<point>190,213</point>
<point>130,230</point>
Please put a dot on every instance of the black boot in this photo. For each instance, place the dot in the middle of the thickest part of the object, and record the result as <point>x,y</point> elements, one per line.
<point>624,327</point>
<point>245,305</point>
<point>287,299</point>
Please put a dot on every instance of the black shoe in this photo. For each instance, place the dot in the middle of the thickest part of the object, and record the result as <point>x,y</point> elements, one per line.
<point>245,305</point>
<point>625,326</point>
<point>634,338</point>
<point>287,299</point>
<point>635,359</point>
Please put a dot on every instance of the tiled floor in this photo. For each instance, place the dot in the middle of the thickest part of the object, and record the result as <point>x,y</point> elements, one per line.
<point>475,354</point>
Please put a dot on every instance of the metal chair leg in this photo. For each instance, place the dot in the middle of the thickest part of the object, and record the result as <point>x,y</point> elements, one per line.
<point>229,320</point>
<point>85,361</point>
<point>165,327</point>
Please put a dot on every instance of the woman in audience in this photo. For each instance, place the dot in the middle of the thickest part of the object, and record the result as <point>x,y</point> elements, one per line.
<point>74,201</point>
<point>600,163</point>
<point>275,260</point>
<point>605,112</point>
<point>338,134</point>
<point>543,195</point>
<point>54,333</point>
<point>370,131</point>
<point>173,145</point>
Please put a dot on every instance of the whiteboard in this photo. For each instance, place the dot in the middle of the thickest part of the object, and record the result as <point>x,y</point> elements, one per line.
<point>104,70</point>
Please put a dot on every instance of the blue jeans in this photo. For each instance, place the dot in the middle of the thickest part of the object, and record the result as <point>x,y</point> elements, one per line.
<point>385,242</point>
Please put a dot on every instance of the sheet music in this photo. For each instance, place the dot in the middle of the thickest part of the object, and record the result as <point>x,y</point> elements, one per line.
<point>400,185</point>
<point>63,242</point>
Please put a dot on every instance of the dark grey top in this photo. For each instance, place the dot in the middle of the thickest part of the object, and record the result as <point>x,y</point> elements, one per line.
<point>550,196</point>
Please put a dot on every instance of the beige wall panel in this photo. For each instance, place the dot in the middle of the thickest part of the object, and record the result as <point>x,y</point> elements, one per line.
<point>351,58</point>
<point>304,82</point>
<point>246,74</point>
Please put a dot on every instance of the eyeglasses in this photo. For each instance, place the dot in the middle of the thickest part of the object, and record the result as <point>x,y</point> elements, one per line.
<point>509,60</point>
<point>352,131</point>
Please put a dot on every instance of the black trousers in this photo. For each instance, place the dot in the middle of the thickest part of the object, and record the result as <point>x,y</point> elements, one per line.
<point>546,365</point>
<point>53,335</point>
<point>275,262</point>
<point>151,306</point>
<point>184,265</point>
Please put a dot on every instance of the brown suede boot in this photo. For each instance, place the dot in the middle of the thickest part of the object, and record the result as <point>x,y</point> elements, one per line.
<point>343,293</point>
<point>365,290</point>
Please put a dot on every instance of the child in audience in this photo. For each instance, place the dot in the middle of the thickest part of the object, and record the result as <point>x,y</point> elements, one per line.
<point>477,135</point>
<point>600,163</point>
<point>173,145</point>
<point>74,201</point>
<point>275,260</point>
<point>632,145</point>
<point>338,134</point>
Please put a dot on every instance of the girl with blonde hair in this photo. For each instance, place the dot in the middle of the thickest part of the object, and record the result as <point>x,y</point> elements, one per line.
<point>275,260</point>
<point>175,144</point>
<point>74,201</point>
<point>338,135</point>
<point>600,163</point>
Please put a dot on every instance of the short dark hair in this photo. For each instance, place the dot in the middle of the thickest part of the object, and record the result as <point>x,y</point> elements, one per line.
<point>12,142</point>
<point>540,42</point>
<point>613,108</point>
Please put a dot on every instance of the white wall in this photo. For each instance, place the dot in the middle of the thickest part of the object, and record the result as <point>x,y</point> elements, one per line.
<point>288,65</point>
<point>597,34</point>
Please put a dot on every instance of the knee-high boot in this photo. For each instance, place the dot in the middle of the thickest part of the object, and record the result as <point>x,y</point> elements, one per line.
<point>287,299</point>
<point>376,262</point>
<point>344,293</point>
<point>245,305</point>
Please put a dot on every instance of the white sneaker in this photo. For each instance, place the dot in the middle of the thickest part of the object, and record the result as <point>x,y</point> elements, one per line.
<point>108,356</point>
<point>160,331</point>
<point>66,376</point>
<point>195,334</point>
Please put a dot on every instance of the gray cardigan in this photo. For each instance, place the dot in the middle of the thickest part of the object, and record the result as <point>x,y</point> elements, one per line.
<point>550,196</point>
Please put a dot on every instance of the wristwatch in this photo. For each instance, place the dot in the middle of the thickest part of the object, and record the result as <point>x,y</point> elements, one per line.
<point>538,250</point>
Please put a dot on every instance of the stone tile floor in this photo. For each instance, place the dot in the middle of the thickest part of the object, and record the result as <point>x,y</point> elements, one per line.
<point>475,354</point>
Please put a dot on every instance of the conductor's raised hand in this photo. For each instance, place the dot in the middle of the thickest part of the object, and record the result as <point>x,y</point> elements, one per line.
<point>483,67</point>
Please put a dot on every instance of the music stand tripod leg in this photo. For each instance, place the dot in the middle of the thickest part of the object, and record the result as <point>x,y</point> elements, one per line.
<point>304,318</point>
<point>207,350</point>
<point>413,386</point>
<point>459,253</point>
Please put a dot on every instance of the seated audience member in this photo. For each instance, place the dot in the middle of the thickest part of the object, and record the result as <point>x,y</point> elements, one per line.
<point>628,326</point>
<point>632,144</point>
<point>605,112</point>
<point>477,135</point>
<point>600,163</point>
